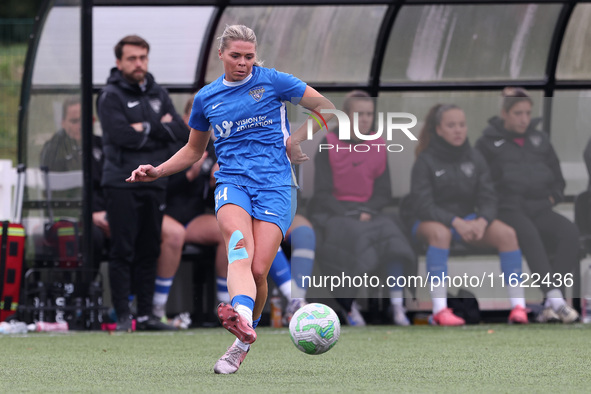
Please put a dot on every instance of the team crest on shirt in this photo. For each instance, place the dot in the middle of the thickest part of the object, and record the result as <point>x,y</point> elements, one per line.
<point>97,153</point>
<point>156,104</point>
<point>467,168</point>
<point>257,93</point>
<point>536,140</point>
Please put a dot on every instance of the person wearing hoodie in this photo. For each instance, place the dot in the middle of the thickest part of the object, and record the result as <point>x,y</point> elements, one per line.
<point>139,124</point>
<point>453,199</point>
<point>527,176</point>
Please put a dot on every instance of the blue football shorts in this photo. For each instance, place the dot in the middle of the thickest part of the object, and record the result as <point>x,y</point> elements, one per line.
<point>276,205</point>
<point>455,236</point>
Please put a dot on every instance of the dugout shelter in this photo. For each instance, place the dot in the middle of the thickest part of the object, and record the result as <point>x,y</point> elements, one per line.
<point>410,54</point>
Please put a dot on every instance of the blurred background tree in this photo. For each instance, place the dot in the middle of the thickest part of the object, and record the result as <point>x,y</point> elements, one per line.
<point>16,25</point>
<point>19,8</point>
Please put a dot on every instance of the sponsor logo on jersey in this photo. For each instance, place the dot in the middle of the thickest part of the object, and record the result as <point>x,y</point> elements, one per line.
<point>97,153</point>
<point>257,93</point>
<point>227,128</point>
<point>131,104</point>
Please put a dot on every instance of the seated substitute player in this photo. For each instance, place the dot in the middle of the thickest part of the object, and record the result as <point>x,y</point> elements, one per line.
<point>453,198</point>
<point>246,109</point>
<point>527,176</point>
<point>63,151</point>
<point>351,188</point>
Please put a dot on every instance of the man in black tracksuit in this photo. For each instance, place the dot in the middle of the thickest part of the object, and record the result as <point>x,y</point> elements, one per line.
<point>139,124</point>
<point>529,182</point>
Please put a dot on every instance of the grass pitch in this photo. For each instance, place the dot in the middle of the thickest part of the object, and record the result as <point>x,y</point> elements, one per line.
<point>484,358</point>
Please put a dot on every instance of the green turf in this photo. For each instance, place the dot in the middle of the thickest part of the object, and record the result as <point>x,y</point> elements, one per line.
<point>486,358</point>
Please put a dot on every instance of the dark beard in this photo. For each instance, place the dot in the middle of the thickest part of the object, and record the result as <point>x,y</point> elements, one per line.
<point>133,78</point>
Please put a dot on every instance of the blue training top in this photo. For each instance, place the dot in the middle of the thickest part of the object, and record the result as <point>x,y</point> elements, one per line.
<point>249,119</point>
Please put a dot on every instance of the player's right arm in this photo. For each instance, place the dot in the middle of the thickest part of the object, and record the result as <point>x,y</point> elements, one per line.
<point>186,156</point>
<point>315,102</point>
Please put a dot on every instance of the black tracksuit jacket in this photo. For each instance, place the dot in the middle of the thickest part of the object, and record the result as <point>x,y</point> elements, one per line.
<point>525,176</point>
<point>448,181</point>
<point>120,104</point>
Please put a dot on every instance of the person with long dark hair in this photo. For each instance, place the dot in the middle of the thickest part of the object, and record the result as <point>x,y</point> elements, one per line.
<point>453,199</point>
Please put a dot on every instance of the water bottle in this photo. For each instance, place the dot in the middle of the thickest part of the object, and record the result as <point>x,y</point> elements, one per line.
<point>14,327</point>
<point>276,313</point>
<point>586,301</point>
<point>42,326</point>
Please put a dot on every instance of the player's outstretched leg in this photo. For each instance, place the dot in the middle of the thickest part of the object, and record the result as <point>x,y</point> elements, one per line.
<point>236,324</point>
<point>240,326</point>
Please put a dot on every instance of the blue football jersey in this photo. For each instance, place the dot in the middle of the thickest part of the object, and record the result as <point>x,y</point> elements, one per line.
<point>249,119</point>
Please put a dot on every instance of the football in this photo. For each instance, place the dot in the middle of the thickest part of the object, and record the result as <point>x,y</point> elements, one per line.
<point>314,328</point>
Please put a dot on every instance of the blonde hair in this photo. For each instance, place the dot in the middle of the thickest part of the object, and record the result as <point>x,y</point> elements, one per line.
<point>239,33</point>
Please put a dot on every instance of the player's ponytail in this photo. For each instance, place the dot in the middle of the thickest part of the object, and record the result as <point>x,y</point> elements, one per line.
<point>239,33</point>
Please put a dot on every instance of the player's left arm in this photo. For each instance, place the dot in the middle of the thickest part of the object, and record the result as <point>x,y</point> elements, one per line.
<point>315,102</point>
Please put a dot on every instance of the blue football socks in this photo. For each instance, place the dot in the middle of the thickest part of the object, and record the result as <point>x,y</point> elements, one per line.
<point>303,241</point>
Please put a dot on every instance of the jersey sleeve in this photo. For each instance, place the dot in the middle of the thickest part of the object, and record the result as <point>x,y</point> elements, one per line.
<point>198,121</point>
<point>288,87</point>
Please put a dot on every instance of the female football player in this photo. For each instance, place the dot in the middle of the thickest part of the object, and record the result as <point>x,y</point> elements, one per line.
<point>245,108</point>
